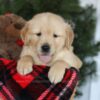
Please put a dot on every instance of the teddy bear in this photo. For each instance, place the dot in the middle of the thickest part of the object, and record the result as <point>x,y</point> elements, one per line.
<point>10,27</point>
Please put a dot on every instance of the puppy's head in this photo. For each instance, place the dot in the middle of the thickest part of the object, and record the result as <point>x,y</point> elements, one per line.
<point>47,34</point>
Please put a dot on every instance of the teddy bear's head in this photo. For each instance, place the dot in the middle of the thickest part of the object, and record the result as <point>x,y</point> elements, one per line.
<point>10,27</point>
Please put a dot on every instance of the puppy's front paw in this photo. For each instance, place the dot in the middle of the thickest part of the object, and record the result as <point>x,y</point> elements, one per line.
<point>56,73</point>
<point>24,67</point>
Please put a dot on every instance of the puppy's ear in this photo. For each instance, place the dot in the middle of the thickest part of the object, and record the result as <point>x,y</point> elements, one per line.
<point>24,32</point>
<point>69,36</point>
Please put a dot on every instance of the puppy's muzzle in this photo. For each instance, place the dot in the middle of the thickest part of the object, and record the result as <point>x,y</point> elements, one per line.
<point>45,48</point>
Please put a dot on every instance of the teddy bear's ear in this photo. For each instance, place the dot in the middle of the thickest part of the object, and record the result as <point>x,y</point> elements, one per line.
<point>17,21</point>
<point>20,24</point>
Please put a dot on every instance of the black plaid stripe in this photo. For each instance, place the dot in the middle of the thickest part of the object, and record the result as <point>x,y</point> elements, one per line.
<point>40,83</point>
<point>2,67</point>
<point>66,95</point>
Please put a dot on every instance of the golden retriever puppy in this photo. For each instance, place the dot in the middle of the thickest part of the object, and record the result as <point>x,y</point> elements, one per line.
<point>48,40</point>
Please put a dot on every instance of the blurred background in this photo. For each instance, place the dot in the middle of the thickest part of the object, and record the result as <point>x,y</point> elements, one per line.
<point>84,15</point>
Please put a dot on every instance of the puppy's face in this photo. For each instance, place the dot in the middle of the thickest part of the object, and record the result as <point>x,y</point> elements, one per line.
<point>47,34</point>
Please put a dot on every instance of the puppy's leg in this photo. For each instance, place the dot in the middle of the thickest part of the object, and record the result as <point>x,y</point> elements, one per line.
<point>25,63</point>
<point>57,71</point>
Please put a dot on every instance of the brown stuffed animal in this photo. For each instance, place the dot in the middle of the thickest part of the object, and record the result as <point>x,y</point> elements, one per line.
<point>10,26</point>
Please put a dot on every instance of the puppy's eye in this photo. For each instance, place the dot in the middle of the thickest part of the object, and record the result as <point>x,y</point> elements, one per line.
<point>38,34</point>
<point>55,35</point>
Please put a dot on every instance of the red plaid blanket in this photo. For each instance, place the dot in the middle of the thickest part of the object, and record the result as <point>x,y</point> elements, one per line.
<point>34,86</point>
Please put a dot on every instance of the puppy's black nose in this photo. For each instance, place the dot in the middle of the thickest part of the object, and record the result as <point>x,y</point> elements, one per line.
<point>45,48</point>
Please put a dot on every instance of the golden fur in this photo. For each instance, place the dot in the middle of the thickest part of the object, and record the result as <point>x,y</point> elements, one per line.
<point>61,52</point>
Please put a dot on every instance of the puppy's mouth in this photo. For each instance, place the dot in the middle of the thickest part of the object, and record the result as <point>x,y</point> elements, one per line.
<point>45,58</point>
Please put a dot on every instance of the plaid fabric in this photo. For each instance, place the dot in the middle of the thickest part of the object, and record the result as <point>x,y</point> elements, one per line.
<point>34,86</point>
